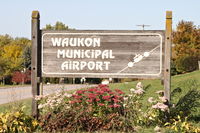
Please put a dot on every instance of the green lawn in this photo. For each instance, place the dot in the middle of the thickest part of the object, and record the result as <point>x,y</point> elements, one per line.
<point>155,85</point>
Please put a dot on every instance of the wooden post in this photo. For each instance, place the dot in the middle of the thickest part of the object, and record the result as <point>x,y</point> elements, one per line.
<point>167,65</point>
<point>35,61</point>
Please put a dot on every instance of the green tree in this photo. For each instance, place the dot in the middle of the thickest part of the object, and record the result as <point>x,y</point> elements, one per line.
<point>57,26</point>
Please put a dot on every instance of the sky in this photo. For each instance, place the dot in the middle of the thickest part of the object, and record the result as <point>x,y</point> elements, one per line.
<point>15,15</point>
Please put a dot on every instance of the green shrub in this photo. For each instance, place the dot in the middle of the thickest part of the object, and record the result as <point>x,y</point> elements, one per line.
<point>16,122</point>
<point>186,64</point>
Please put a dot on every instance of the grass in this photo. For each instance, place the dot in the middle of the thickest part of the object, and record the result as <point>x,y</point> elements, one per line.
<point>16,105</point>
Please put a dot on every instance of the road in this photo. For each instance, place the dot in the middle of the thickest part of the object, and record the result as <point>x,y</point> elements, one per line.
<point>16,93</point>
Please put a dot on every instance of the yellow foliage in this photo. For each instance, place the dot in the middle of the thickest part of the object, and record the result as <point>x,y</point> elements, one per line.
<point>17,122</point>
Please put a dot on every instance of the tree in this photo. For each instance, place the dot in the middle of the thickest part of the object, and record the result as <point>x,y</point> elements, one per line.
<point>11,55</point>
<point>57,26</point>
<point>186,40</point>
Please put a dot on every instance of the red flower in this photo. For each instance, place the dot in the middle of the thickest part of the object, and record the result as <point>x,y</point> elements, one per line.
<point>101,104</point>
<point>72,102</point>
<point>91,96</point>
<point>92,89</point>
<point>116,105</point>
<point>105,89</point>
<point>99,92</point>
<point>78,97</point>
<point>80,91</point>
<point>116,100</point>
<point>97,99</point>
<point>102,86</point>
<point>90,100</point>
<point>106,97</point>
<point>110,106</point>
<point>119,91</point>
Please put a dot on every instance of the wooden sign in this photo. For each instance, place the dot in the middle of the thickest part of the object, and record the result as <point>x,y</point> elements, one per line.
<point>100,54</point>
<point>117,54</point>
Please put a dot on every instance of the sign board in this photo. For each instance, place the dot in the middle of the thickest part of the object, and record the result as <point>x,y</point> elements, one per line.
<point>91,53</point>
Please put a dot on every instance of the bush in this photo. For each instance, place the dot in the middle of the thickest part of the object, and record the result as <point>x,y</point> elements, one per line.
<point>186,64</point>
<point>92,109</point>
<point>16,122</point>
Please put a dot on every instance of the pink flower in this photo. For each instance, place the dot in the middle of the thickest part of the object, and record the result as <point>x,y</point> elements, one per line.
<point>160,106</point>
<point>139,91</point>
<point>116,105</point>
<point>72,102</point>
<point>101,104</point>
<point>163,99</point>
<point>110,106</point>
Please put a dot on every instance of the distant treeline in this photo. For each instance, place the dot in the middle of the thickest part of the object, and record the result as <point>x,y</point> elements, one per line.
<point>15,54</point>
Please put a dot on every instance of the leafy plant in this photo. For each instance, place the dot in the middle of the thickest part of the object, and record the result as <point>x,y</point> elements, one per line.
<point>182,125</point>
<point>16,122</point>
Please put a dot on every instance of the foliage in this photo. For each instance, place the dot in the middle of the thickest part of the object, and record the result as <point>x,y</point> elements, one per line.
<point>27,57</point>
<point>11,53</point>
<point>186,50</point>
<point>186,63</point>
<point>181,125</point>
<point>21,77</point>
<point>91,109</point>
<point>16,122</point>
<point>187,103</point>
<point>57,26</point>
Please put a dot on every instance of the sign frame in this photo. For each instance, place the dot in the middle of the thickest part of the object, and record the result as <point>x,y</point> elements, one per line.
<point>159,33</point>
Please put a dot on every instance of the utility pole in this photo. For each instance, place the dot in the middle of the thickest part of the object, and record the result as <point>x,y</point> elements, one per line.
<point>143,26</point>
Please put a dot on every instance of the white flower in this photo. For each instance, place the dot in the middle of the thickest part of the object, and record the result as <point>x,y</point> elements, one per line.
<point>150,99</point>
<point>68,95</point>
<point>124,105</point>
<point>163,99</point>
<point>157,129</point>
<point>130,95</point>
<point>125,98</point>
<point>139,85</point>
<point>37,98</point>
<point>105,82</point>
<point>132,90</point>
<point>160,92</point>
<point>40,106</point>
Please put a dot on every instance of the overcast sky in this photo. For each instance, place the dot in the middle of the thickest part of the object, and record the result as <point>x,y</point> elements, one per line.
<point>15,15</point>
